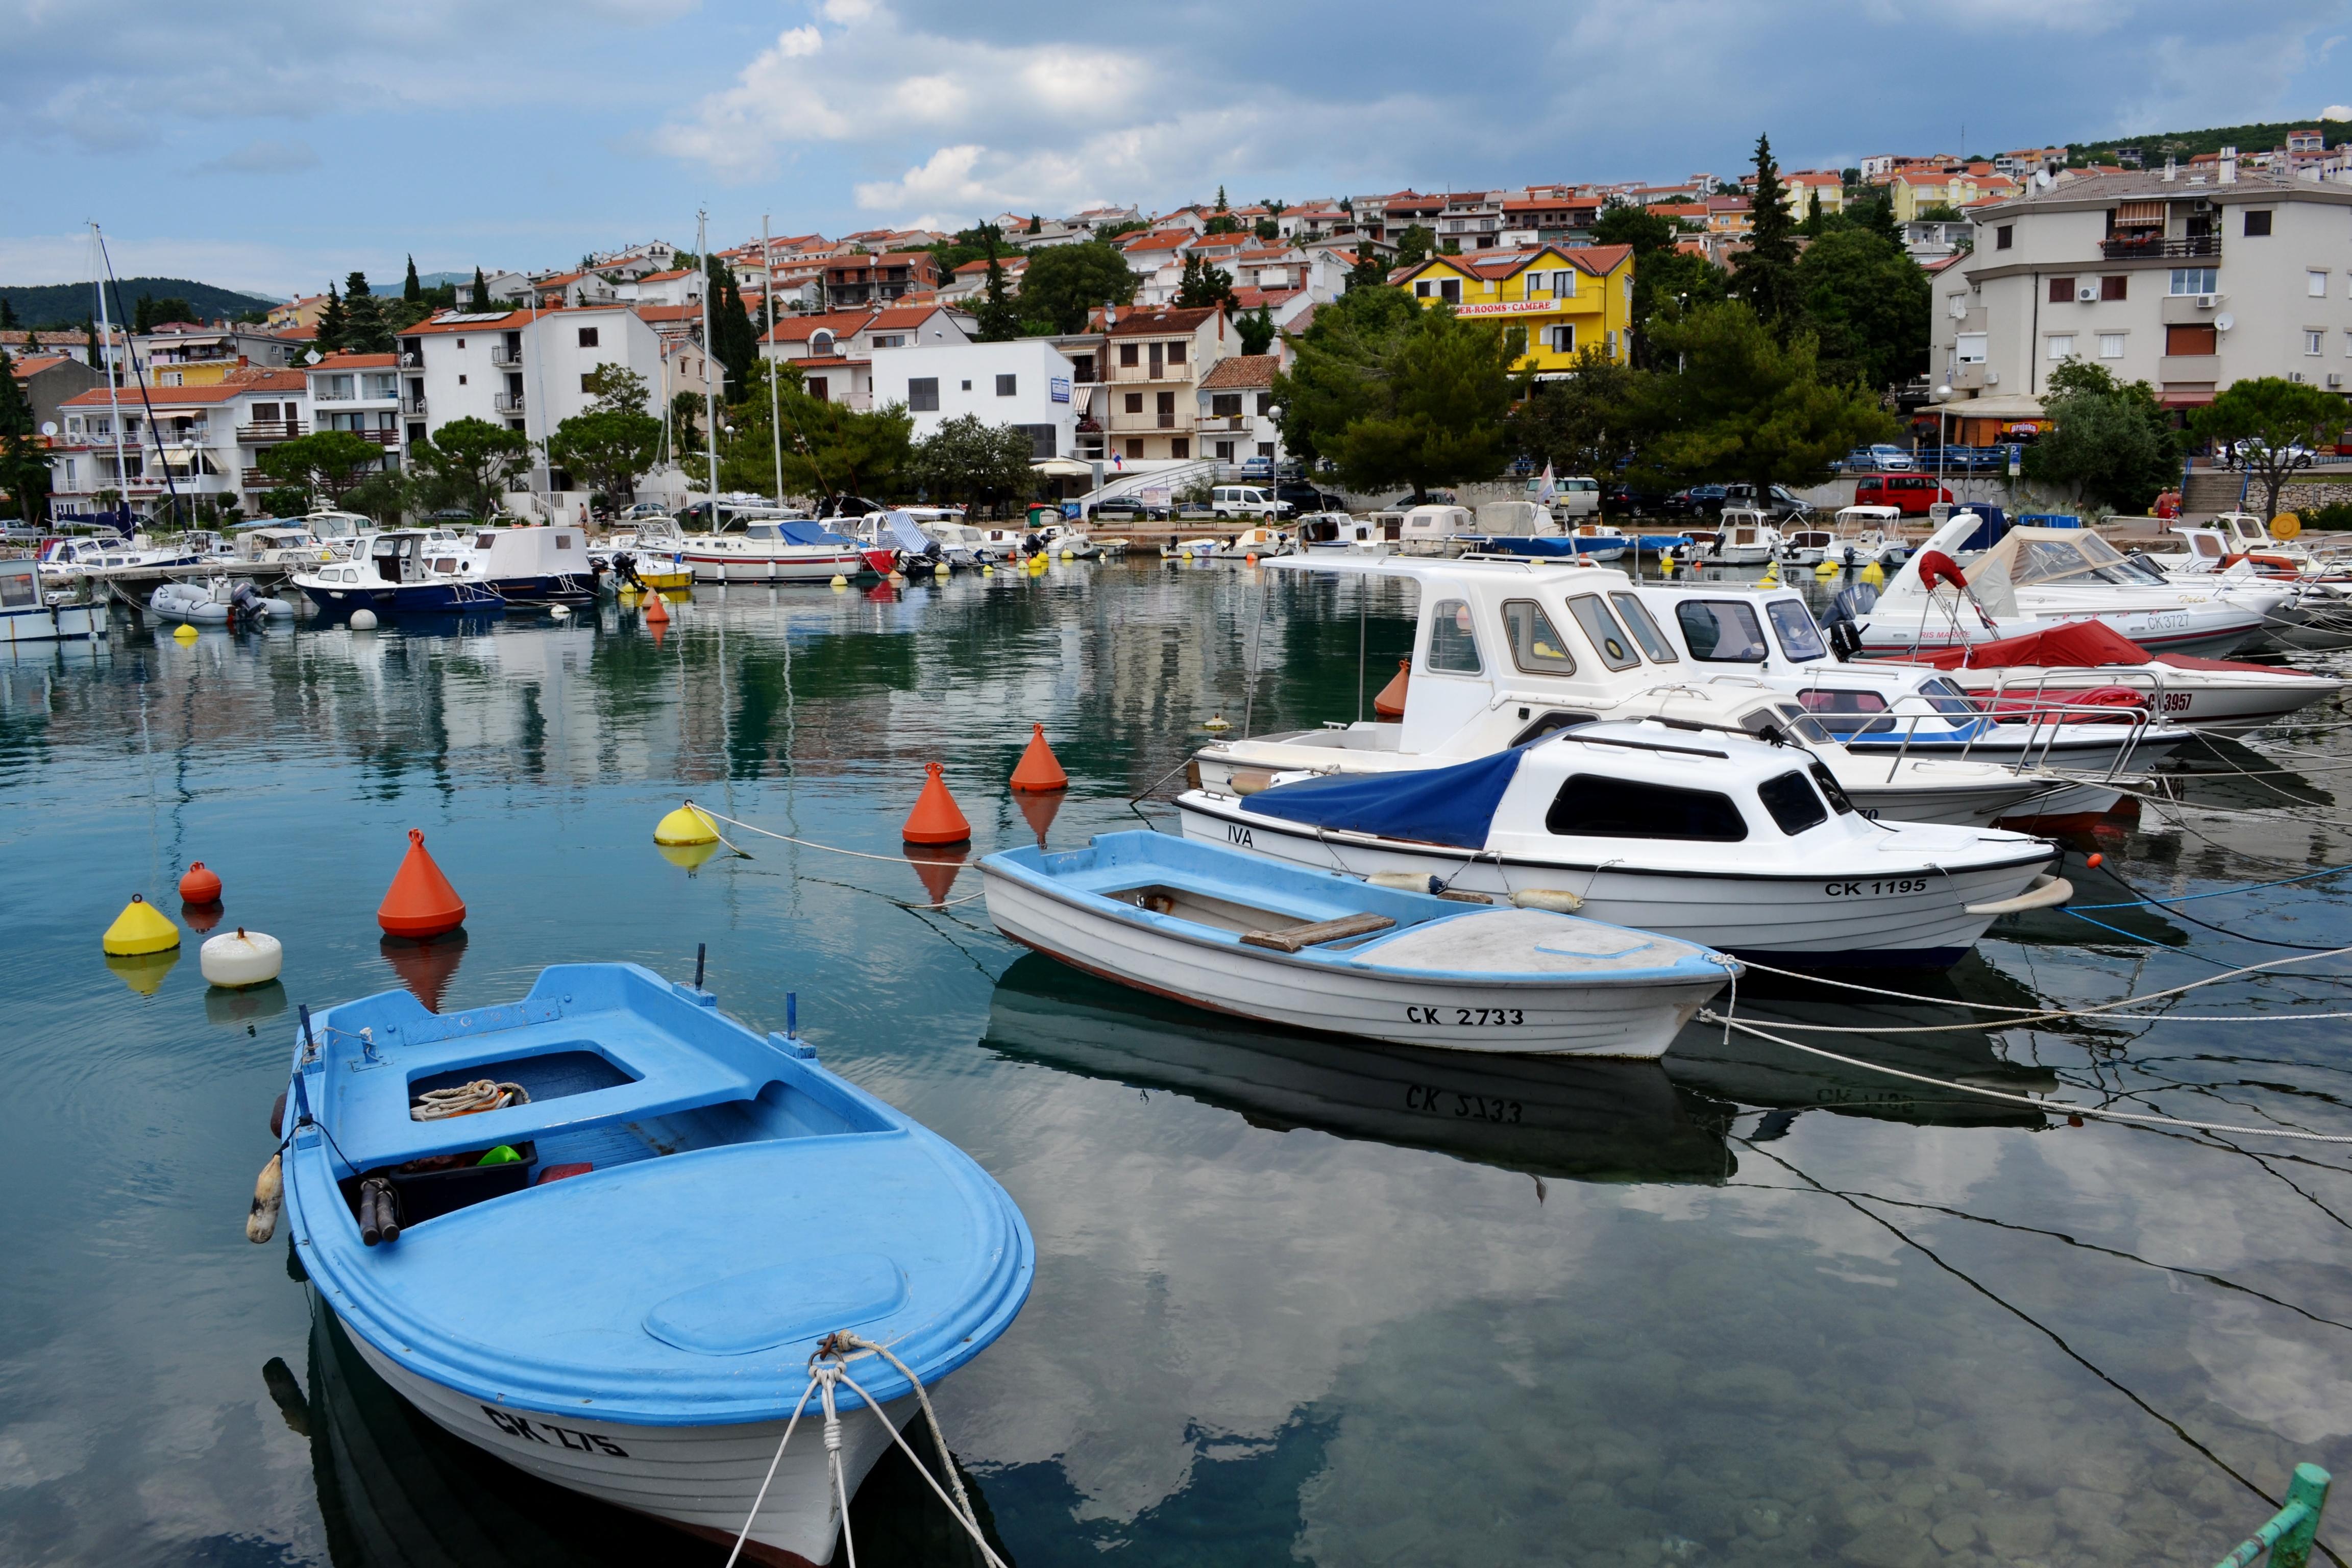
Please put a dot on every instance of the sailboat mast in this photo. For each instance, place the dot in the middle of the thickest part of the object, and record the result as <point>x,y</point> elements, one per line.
<point>768,292</point>
<point>106,353</point>
<point>710,404</point>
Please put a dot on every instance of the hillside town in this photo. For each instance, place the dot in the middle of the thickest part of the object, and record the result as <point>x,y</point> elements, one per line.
<point>1948,293</point>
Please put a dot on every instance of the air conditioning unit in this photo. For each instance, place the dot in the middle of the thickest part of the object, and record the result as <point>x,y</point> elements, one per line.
<point>2335,380</point>
<point>2086,295</point>
<point>1992,378</point>
<point>2205,301</point>
<point>2294,376</point>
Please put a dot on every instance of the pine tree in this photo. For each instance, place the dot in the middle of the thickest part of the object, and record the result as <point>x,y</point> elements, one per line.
<point>1766,274</point>
<point>997,318</point>
<point>365,331</point>
<point>334,324</point>
<point>8,313</point>
<point>142,315</point>
<point>481,289</point>
<point>412,290</point>
<point>1221,198</point>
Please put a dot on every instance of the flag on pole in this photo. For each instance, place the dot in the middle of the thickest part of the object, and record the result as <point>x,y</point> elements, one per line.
<point>1545,488</point>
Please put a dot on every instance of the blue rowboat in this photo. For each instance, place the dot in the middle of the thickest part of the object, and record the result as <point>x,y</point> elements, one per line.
<point>619,1282</point>
<point>1245,934</point>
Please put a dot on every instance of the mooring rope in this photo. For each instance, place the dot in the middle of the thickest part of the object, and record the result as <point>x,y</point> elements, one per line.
<point>832,850</point>
<point>2029,1014</point>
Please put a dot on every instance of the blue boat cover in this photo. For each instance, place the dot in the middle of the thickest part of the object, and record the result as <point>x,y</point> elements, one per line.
<point>901,531</point>
<point>808,534</point>
<point>1452,806</point>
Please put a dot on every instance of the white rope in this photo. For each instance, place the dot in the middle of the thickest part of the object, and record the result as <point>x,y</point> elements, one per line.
<point>769,1479</point>
<point>2047,1107</point>
<point>466,1099</point>
<point>804,842</point>
<point>2028,1014</point>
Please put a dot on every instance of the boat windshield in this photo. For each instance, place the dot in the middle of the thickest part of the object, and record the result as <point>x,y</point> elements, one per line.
<point>1645,630</point>
<point>1722,631</point>
<point>1801,639</point>
<point>1947,698</point>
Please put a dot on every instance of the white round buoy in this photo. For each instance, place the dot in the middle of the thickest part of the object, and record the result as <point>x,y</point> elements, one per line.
<point>240,958</point>
<point>363,620</point>
<point>558,611</point>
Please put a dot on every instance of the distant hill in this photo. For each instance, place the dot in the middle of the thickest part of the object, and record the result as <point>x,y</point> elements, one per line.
<point>67,304</point>
<point>2187,144</point>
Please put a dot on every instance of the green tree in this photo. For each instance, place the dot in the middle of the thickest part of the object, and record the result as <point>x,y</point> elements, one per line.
<point>996,318</point>
<point>829,447</point>
<point>1394,393</point>
<point>2108,443</point>
<point>1221,198</point>
<point>1266,229</point>
<point>24,464</point>
<point>93,355</point>
<point>150,311</point>
<point>1203,284</point>
<point>1222,223</point>
<point>1584,421</point>
<point>1065,281</point>
<point>466,464</point>
<point>324,463</point>
<point>968,459</point>
<point>8,322</point>
<point>735,342</point>
<point>1874,214</point>
<point>385,495</point>
<point>481,291</point>
<point>1747,406</point>
<point>1256,330</point>
<point>411,289</point>
<point>1664,279</point>
<point>2272,415</point>
<point>1369,271</point>
<point>1765,277</point>
<point>365,330</point>
<point>613,439</point>
<point>1867,303</point>
<point>1416,245</point>
<point>334,324</point>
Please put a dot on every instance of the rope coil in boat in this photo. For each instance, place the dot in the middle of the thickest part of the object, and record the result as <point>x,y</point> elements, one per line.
<point>466,1099</point>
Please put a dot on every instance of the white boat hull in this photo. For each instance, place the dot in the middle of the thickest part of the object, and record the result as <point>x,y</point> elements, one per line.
<point>52,623</point>
<point>1903,918</point>
<point>702,1479</point>
<point>1585,1018</point>
<point>2197,699</point>
<point>801,564</point>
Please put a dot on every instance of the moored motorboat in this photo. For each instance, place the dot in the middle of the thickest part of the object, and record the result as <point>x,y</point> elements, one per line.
<point>618,1278</point>
<point>770,550</point>
<point>406,570</point>
<point>26,615</point>
<point>216,602</point>
<point>1321,950</point>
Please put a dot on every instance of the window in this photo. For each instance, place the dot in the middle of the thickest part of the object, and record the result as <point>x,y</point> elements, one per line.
<point>2190,338</point>
<point>1453,642</point>
<point>1041,440</point>
<point>1420,289</point>
<point>1135,447</point>
<point>1176,354</point>
<point>461,381</point>
<point>2115,288</point>
<point>2312,344</point>
<point>1801,639</point>
<point>1537,645</point>
<point>1645,630</point>
<point>1449,290</point>
<point>1224,405</point>
<point>1958,306</point>
<point>2314,283</point>
<point>815,386</point>
<point>585,384</point>
<point>1224,451</point>
<point>1134,403</point>
<point>1603,628</point>
<point>1008,386</point>
<point>1722,631</point>
<point>588,337</point>
<point>2258,223</point>
<point>16,591</point>
<point>2005,237</point>
<point>923,395</point>
<point>888,340</point>
<point>966,385</point>
<point>1265,402</point>
<point>1792,803</point>
<point>1127,353</point>
<point>1970,347</point>
<point>2061,290</point>
<point>2111,345</point>
<point>2193,279</point>
<point>1164,409</point>
<point>820,344</point>
<point>1563,338</point>
<point>1180,447</point>
<point>2061,345</point>
<point>1590,806</point>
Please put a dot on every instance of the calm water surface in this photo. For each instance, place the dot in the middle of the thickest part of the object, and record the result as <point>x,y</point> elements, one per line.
<point>1295,1300</point>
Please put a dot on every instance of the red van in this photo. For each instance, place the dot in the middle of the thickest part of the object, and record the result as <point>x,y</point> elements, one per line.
<point>1912,494</point>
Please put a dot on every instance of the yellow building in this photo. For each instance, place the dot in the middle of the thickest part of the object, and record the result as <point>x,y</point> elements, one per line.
<point>1569,298</point>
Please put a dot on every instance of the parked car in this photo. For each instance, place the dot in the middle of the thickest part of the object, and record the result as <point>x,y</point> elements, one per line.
<point>1247,500</point>
<point>1622,499</point>
<point>1698,500</point>
<point>1408,501</point>
<point>1574,496</point>
<point>1781,505</point>
<point>1911,494</point>
<point>1127,509</point>
<point>1304,497</point>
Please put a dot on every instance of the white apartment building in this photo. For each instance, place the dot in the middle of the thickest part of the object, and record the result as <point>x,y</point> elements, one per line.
<point>1026,382</point>
<point>2186,280</point>
<point>202,441</point>
<point>835,349</point>
<point>360,394</point>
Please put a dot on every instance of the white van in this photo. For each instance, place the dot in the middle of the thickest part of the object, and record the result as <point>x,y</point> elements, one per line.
<point>1246,500</point>
<point>1579,495</point>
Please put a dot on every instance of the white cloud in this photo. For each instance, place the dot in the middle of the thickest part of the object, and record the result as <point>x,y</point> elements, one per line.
<point>263,155</point>
<point>2336,111</point>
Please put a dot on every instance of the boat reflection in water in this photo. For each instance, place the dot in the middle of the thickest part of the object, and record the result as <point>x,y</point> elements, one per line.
<point>396,1491</point>
<point>1548,1116</point>
<point>1774,1078</point>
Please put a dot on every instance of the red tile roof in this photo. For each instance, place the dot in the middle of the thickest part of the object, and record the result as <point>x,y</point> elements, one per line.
<point>342,359</point>
<point>1166,322</point>
<point>1241,371</point>
<point>262,381</point>
<point>25,369</point>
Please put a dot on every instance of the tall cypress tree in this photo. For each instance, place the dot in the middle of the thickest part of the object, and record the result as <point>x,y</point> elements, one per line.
<point>90,332</point>
<point>8,313</point>
<point>412,290</point>
<point>334,324</point>
<point>1767,275</point>
<point>23,465</point>
<point>481,289</point>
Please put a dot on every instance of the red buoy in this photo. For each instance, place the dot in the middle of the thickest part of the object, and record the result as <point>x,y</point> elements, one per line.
<point>936,818</point>
<point>1390,703</point>
<point>657,612</point>
<point>1039,768</point>
<point>199,886</point>
<point>421,903</point>
<point>2095,861</point>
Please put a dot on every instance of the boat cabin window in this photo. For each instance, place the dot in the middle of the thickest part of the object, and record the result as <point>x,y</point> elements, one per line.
<point>1944,697</point>
<point>1801,639</point>
<point>1601,626</point>
<point>1832,791</point>
<point>1593,806</point>
<point>2206,544</point>
<point>17,590</point>
<point>1801,724</point>
<point>1453,640</point>
<point>1645,630</point>
<point>485,542</point>
<point>446,564</point>
<point>1550,723</point>
<point>1722,631</point>
<point>1847,712</point>
<point>1537,645</point>
<point>1792,803</point>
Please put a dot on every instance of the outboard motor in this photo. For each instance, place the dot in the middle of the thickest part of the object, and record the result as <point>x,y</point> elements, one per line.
<point>245,603</point>
<point>1848,606</point>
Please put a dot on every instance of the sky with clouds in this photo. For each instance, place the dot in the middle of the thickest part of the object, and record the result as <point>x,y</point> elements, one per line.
<point>276,143</point>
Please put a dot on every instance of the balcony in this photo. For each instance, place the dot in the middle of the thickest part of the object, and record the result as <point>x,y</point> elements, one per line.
<point>2156,248</point>
<point>506,358</point>
<point>261,432</point>
<point>1137,424</point>
<point>508,403</point>
<point>381,438</point>
<point>1130,374</point>
<point>1224,425</point>
<point>413,405</point>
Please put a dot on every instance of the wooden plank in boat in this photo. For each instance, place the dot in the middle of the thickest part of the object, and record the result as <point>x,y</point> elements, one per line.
<point>1290,939</point>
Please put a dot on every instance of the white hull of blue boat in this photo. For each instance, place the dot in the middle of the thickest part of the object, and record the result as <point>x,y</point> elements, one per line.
<point>702,1479</point>
<point>1579,1013</point>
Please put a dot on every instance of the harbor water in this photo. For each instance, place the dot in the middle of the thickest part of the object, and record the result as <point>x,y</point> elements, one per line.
<point>1296,1299</point>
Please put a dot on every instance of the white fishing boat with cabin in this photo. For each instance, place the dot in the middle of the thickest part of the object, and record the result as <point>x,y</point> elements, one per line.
<point>27,616</point>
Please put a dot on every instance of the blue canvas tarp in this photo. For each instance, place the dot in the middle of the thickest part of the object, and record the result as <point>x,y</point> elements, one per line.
<point>1440,805</point>
<point>808,534</point>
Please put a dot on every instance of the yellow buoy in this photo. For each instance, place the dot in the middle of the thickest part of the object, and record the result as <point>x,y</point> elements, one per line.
<point>839,581</point>
<point>689,824</point>
<point>1069,555</point>
<point>1037,564</point>
<point>2287,525</point>
<point>143,973</point>
<point>940,570</point>
<point>688,857</point>
<point>1826,569</point>
<point>185,634</point>
<point>1216,721</point>
<point>987,570</point>
<point>138,930</point>
<point>1873,575</point>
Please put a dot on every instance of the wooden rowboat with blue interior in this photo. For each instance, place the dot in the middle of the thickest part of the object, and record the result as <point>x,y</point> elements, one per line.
<point>617,1273</point>
<point>1320,950</point>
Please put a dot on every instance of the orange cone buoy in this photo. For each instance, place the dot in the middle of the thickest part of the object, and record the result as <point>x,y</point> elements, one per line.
<point>1038,809</point>
<point>1039,769</point>
<point>657,612</point>
<point>936,818</point>
<point>1390,703</point>
<point>421,903</point>
<point>937,868</point>
<point>199,886</point>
